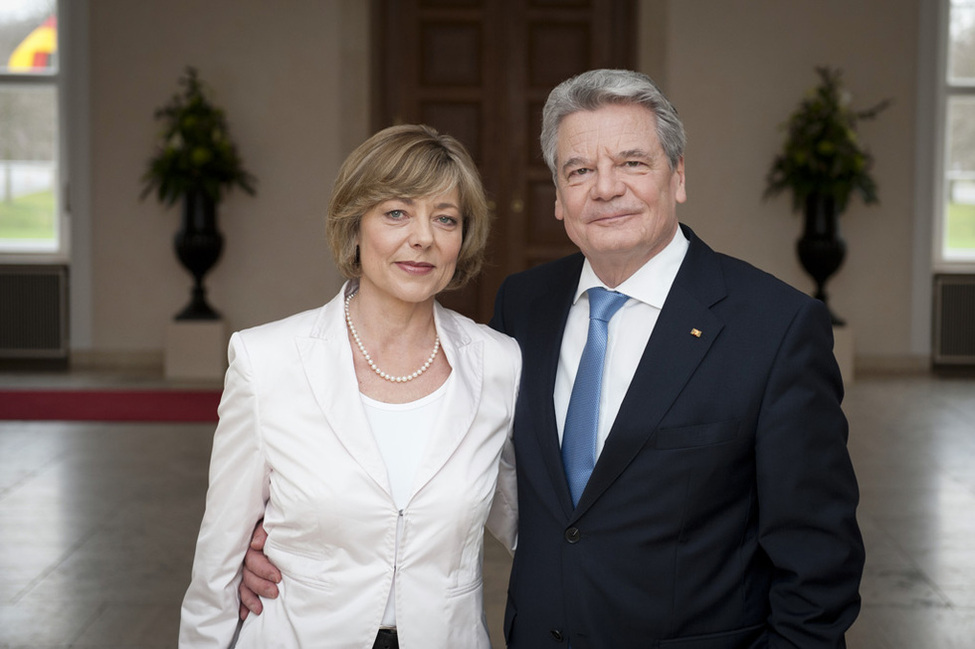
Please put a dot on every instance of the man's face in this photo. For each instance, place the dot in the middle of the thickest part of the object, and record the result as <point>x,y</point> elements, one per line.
<point>615,191</point>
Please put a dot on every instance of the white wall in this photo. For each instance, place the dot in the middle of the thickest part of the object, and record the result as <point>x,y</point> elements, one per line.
<point>293,76</point>
<point>736,69</point>
<point>288,73</point>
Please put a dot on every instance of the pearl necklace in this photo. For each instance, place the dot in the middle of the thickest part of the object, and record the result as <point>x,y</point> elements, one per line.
<point>365,354</point>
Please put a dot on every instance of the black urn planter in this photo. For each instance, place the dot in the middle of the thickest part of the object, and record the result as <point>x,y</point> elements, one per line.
<point>198,246</point>
<point>821,248</point>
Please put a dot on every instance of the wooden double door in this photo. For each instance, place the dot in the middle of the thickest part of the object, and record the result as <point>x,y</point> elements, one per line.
<point>481,71</point>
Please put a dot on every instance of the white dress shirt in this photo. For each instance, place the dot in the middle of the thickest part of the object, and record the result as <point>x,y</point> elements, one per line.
<point>629,332</point>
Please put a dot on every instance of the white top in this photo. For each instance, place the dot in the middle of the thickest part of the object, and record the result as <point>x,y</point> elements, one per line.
<point>629,332</point>
<point>401,431</point>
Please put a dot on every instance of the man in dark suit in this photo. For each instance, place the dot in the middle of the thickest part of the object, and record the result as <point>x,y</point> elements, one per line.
<point>720,509</point>
<point>697,493</point>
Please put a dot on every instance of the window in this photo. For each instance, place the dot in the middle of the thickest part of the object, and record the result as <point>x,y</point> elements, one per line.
<point>955,230</point>
<point>30,212</point>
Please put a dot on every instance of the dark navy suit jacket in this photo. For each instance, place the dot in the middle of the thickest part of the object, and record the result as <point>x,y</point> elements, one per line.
<point>721,511</point>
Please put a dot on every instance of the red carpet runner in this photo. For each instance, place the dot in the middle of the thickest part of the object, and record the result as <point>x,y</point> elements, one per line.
<point>109,405</point>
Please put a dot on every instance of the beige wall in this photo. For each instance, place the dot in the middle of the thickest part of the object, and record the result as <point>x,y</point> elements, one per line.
<point>293,77</point>
<point>736,69</point>
<point>286,72</point>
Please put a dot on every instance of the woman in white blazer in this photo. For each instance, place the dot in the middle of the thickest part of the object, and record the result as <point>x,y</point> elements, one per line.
<point>372,435</point>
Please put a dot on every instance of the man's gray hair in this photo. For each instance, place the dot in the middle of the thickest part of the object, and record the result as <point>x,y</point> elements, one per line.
<point>597,88</point>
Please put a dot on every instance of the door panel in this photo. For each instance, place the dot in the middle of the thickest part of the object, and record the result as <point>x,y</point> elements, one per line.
<point>481,71</point>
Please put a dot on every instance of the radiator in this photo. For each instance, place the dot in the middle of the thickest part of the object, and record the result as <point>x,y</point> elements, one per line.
<point>954,320</point>
<point>34,312</point>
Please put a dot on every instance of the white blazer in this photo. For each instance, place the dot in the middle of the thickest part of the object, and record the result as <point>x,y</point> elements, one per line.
<point>293,445</point>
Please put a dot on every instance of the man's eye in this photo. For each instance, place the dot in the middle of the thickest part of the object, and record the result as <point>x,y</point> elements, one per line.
<point>581,171</point>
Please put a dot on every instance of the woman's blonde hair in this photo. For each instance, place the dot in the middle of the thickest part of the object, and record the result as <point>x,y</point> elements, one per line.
<point>407,161</point>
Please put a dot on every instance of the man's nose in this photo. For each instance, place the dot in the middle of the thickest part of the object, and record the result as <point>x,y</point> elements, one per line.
<point>608,184</point>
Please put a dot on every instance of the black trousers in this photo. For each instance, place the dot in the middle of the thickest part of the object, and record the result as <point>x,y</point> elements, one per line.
<point>386,639</point>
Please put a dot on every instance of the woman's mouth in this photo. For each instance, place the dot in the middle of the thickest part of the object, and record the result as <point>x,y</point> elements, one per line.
<point>415,267</point>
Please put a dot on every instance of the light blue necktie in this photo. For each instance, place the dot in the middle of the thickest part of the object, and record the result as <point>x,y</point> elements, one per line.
<point>582,418</point>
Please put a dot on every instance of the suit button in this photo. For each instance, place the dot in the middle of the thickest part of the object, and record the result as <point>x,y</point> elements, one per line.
<point>556,635</point>
<point>572,535</point>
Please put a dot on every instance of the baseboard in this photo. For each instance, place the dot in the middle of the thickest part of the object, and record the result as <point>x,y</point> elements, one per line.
<point>103,360</point>
<point>893,364</point>
<point>153,362</point>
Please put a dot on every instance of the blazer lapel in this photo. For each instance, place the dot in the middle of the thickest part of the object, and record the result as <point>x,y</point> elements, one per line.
<point>462,400</point>
<point>681,338</point>
<point>327,360</point>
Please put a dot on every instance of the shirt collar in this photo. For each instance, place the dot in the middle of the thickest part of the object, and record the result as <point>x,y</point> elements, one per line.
<point>651,283</point>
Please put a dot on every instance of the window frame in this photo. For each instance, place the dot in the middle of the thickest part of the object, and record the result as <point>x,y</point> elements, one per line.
<point>58,80</point>
<point>946,90</point>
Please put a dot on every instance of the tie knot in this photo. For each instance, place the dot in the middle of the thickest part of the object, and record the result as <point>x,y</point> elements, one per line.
<point>604,304</point>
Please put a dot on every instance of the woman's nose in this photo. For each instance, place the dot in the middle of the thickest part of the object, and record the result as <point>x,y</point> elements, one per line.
<point>421,233</point>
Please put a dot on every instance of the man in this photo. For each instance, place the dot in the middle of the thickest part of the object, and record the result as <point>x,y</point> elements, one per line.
<point>703,496</point>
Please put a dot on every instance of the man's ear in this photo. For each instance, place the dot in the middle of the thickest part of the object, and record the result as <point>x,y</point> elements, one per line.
<point>680,192</point>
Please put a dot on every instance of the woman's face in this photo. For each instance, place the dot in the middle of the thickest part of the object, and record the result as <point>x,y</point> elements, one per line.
<point>408,247</point>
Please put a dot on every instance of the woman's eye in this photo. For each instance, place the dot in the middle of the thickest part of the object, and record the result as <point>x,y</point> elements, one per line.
<point>395,214</point>
<point>447,220</point>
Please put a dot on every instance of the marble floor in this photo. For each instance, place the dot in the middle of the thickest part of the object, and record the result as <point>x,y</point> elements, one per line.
<point>98,521</point>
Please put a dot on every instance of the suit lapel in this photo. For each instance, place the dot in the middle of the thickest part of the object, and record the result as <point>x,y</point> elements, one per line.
<point>541,349</point>
<point>671,356</point>
<point>327,360</point>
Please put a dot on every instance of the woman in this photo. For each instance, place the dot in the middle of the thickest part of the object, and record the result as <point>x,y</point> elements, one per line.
<point>368,433</point>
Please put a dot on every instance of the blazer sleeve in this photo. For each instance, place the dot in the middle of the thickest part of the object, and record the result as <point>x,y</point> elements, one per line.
<point>235,502</point>
<point>807,491</point>
<point>502,520</point>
